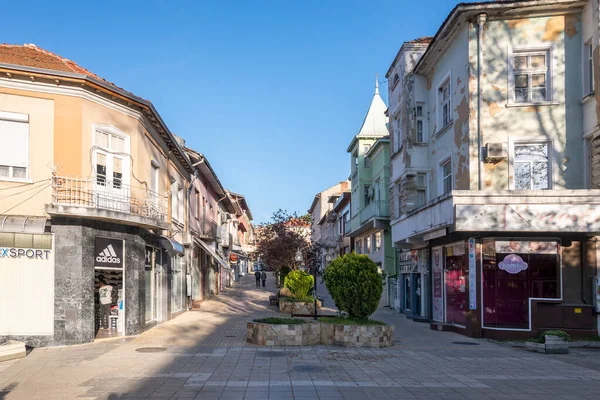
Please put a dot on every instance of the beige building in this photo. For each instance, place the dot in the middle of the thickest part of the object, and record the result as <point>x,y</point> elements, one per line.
<point>93,190</point>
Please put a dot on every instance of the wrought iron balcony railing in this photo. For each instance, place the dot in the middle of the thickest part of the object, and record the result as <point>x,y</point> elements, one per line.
<point>114,195</point>
<point>207,228</point>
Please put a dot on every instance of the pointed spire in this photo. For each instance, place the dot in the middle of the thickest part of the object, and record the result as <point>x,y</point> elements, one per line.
<point>376,83</point>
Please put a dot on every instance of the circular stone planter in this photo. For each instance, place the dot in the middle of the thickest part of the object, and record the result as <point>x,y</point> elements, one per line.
<point>312,333</point>
<point>357,335</point>
<point>298,307</point>
<point>283,335</point>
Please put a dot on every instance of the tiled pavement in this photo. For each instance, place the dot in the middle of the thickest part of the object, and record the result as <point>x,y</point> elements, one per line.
<point>207,358</point>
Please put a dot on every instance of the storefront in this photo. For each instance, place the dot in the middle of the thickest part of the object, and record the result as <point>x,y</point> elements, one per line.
<point>109,284</point>
<point>413,268</point>
<point>506,287</point>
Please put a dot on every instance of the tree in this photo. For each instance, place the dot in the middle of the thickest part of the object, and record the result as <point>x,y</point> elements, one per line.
<point>355,284</point>
<point>279,240</point>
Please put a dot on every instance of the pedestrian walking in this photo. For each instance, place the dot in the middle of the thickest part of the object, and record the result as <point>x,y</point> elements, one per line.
<point>257,276</point>
<point>263,276</point>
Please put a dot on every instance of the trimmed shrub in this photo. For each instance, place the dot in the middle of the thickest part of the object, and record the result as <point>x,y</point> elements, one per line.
<point>299,283</point>
<point>355,284</point>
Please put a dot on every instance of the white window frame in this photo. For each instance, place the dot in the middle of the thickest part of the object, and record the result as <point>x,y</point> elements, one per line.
<point>587,69</point>
<point>110,155</point>
<point>442,177</point>
<point>423,121</point>
<point>19,118</point>
<point>447,80</point>
<point>549,71</point>
<point>175,199</point>
<point>511,159</point>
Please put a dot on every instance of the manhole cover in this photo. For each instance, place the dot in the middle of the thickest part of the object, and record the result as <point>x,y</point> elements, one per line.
<point>270,354</point>
<point>466,343</point>
<point>308,368</point>
<point>151,349</point>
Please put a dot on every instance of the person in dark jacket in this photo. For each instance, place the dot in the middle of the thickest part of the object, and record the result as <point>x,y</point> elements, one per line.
<point>257,276</point>
<point>263,276</point>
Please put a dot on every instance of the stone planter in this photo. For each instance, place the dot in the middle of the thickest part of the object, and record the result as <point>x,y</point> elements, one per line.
<point>553,345</point>
<point>283,335</point>
<point>11,350</point>
<point>313,333</point>
<point>357,335</point>
<point>298,307</point>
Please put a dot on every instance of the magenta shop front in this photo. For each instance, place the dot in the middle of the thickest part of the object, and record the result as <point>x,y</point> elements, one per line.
<point>513,287</point>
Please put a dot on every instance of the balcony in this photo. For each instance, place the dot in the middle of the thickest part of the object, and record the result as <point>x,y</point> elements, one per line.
<point>108,201</point>
<point>206,228</point>
<point>539,211</point>
<point>374,216</point>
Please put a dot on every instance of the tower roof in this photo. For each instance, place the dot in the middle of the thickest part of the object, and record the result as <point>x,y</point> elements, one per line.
<point>375,123</point>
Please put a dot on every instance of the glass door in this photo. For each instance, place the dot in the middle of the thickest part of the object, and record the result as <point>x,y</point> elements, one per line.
<point>456,290</point>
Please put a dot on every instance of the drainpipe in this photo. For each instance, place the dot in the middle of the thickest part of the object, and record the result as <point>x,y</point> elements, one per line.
<point>481,18</point>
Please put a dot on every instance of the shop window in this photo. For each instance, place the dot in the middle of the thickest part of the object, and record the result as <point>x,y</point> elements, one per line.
<point>14,142</point>
<point>177,284</point>
<point>377,241</point>
<point>359,246</point>
<point>457,282</point>
<point>513,272</point>
<point>531,164</point>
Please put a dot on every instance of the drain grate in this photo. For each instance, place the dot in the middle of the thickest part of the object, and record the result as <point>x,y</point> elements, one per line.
<point>151,349</point>
<point>270,354</point>
<point>466,343</point>
<point>308,368</point>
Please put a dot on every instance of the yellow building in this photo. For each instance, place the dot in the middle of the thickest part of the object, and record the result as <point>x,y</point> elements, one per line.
<point>93,187</point>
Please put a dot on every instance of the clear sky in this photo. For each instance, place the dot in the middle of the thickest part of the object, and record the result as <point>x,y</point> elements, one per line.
<point>272,92</point>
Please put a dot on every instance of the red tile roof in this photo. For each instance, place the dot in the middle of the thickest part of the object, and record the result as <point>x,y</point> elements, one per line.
<point>423,40</point>
<point>29,55</point>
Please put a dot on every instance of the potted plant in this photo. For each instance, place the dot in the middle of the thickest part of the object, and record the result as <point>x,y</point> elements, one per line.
<point>550,342</point>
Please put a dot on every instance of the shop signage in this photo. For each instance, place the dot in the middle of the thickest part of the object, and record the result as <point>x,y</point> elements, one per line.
<point>528,217</point>
<point>108,253</point>
<point>148,257</point>
<point>472,276</point>
<point>408,262</point>
<point>32,254</point>
<point>513,264</point>
<point>233,257</point>
<point>435,234</point>
<point>438,301</point>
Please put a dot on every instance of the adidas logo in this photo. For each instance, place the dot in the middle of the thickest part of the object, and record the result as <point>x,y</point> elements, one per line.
<point>108,255</point>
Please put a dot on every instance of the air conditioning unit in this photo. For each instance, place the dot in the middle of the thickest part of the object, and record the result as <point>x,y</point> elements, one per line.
<point>225,217</point>
<point>495,152</point>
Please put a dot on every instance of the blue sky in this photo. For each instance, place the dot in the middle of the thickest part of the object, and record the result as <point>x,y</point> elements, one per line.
<point>272,92</point>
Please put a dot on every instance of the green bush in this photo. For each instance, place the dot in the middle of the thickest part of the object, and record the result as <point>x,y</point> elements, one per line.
<point>355,285</point>
<point>299,283</point>
<point>561,334</point>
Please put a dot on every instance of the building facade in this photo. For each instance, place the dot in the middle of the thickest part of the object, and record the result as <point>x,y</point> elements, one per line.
<point>93,191</point>
<point>495,209</point>
<point>369,221</point>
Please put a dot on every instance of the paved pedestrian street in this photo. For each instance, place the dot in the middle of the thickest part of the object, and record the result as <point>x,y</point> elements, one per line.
<point>205,357</point>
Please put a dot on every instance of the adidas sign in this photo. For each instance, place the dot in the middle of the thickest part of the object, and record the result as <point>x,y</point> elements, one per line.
<point>108,255</point>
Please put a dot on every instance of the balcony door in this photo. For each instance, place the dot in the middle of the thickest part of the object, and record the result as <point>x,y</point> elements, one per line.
<point>111,163</point>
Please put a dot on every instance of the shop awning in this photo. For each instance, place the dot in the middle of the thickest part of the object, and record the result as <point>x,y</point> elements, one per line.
<point>11,223</point>
<point>172,246</point>
<point>213,253</point>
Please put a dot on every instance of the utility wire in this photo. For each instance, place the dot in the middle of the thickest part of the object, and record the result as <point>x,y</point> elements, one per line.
<point>27,199</point>
<point>19,192</point>
<point>25,184</point>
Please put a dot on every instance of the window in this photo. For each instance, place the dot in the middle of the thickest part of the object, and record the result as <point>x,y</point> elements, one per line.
<point>588,69</point>
<point>377,190</point>
<point>367,195</point>
<point>398,136</point>
<point>359,246</point>
<point>177,284</point>
<point>181,205</point>
<point>368,245</point>
<point>531,166</point>
<point>420,134</point>
<point>377,241</point>
<point>345,221</point>
<point>530,75</point>
<point>175,199</point>
<point>111,158</point>
<point>421,188</point>
<point>14,142</point>
<point>446,175</point>
<point>445,111</point>
<point>395,81</point>
<point>513,272</point>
